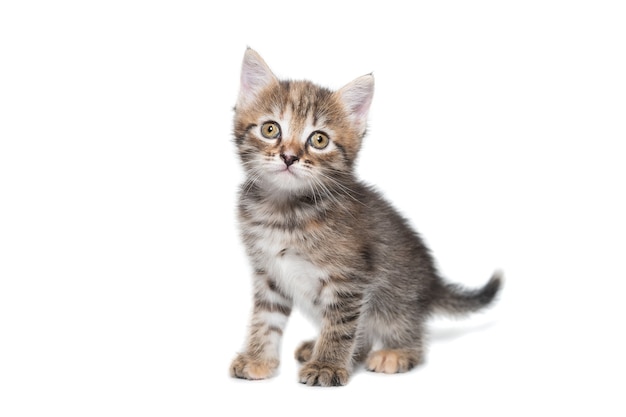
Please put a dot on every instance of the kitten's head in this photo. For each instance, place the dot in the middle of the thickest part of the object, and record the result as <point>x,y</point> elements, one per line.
<point>294,136</point>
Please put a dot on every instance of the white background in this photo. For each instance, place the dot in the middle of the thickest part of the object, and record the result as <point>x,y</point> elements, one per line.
<point>497,128</point>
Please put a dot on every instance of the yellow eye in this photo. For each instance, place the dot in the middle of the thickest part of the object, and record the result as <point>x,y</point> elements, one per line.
<point>270,130</point>
<point>319,140</point>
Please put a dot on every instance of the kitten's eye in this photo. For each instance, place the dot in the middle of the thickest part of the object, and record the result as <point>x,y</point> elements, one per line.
<point>270,130</point>
<point>319,140</point>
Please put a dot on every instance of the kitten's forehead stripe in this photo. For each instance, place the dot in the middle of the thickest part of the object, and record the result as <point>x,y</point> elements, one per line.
<point>306,100</point>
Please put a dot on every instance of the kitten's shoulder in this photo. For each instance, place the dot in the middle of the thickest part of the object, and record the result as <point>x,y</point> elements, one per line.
<point>380,211</point>
<point>372,196</point>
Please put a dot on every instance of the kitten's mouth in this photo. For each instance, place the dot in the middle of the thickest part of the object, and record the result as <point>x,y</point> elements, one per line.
<point>287,171</point>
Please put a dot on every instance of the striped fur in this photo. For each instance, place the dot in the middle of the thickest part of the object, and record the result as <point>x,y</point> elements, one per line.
<point>322,241</point>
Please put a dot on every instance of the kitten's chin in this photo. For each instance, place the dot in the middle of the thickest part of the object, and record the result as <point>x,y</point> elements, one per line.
<point>286,181</point>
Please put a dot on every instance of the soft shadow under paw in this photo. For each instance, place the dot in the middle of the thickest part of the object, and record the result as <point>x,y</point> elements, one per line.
<point>444,334</point>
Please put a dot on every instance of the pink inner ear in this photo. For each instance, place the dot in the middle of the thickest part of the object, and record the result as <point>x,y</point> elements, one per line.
<point>255,76</point>
<point>357,96</point>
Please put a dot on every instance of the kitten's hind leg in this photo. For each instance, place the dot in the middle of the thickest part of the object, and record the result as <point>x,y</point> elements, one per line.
<point>305,351</point>
<point>391,361</point>
<point>399,339</point>
<point>402,349</point>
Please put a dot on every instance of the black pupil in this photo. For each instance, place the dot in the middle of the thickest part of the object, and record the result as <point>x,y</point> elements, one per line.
<point>270,129</point>
<point>320,139</point>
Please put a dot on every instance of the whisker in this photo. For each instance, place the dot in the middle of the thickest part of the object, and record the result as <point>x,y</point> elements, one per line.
<point>326,192</point>
<point>341,187</point>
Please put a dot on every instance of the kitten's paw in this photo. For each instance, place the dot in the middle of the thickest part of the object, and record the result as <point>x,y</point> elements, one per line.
<point>391,361</point>
<point>305,351</point>
<point>246,367</point>
<point>323,374</point>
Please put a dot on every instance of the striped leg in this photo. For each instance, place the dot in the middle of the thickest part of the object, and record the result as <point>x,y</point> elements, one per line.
<point>332,353</point>
<point>269,317</point>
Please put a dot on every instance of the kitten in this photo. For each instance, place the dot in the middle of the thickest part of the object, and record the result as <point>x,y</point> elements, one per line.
<point>323,241</point>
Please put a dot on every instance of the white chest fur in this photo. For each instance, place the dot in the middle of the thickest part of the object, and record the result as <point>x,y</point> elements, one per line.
<point>294,274</point>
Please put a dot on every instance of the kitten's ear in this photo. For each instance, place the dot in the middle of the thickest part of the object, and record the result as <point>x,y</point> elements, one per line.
<point>357,98</point>
<point>255,76</point>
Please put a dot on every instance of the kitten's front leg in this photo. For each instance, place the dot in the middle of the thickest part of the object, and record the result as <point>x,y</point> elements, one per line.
<point>332,353</point>
<point>269,317</point>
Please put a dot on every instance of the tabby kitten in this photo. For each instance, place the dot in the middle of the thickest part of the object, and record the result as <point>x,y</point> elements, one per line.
<point>323,241</point>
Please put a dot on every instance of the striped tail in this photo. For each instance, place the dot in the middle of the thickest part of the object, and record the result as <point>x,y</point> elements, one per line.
<point>456,300</point>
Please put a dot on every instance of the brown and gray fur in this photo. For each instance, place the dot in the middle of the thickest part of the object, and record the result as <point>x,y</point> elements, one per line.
<point>321,240</point>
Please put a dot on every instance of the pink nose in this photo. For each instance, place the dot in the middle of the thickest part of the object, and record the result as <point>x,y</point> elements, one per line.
<point>289,159</point>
